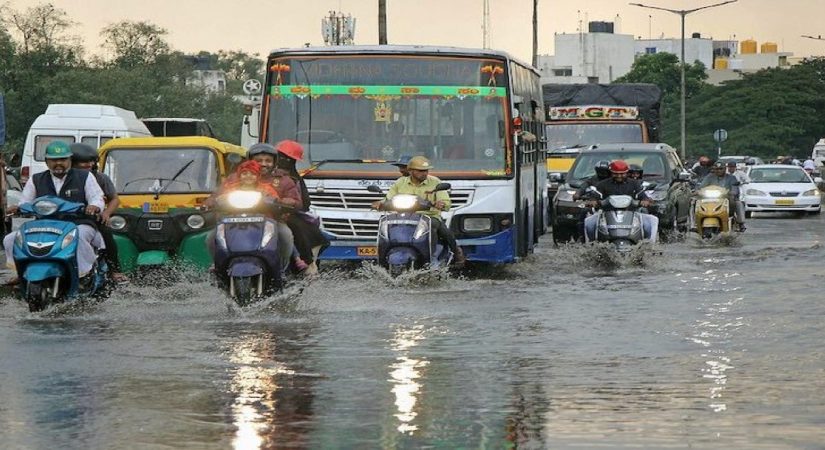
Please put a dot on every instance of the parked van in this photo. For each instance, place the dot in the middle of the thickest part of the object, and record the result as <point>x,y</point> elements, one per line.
<point>70,123</point>
<point>818,154</point>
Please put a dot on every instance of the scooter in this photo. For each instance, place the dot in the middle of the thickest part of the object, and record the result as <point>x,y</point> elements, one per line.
<point>619,221</point>
<point>405,237</point>
<point>247,262</point>
<point>712,215</point>
<point>45,255</point>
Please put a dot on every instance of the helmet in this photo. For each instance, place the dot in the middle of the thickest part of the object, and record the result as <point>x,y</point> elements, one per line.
<point>261,148</point>
<point>58,150</point>
<point>635,168</point>
<point>704,161</point>
<point>731,164</point>
<point>718,165</point>
<point>603,168</point>
<point>403,161</point>
<point>83,152</point>
<point>618,166</point>
<point>419,163</point>
<point>291,149</point>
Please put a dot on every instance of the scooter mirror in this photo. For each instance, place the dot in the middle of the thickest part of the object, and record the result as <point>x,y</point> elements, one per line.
<point>374,188</point>
<point>443,187</point>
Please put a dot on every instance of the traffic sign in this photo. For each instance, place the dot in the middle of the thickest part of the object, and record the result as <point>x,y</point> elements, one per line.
<point>720,135</point>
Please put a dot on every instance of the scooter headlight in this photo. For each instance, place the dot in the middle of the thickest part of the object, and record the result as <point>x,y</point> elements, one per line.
<point>117,223</point>
<point>45,207</point>
<point>243,199</point>
<point>195,221</point>
<point>404,201</point>
<point>220,235</point>
<point>422,228</point>
<point>269,232</point>
<point>68,239</point>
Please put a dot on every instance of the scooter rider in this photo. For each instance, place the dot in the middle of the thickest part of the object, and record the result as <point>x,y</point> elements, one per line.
<point>620,184</point>
<point>636,172</point>
<point>420,183</point>
<point>702,167</point>
<point>718,177</point>
<point>602,170</point>
<point>73,185</point>
<point>402,162</point>
<point>85,157</point>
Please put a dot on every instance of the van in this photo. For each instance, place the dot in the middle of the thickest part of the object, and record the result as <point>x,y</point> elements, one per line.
<point>70,123</point>
<point>177,126</point>
<point>818,153</point>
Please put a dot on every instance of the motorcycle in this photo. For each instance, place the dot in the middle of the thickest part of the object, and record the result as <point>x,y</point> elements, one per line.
<point>45,255</point>
<point>247,262</point>
<point>712,215</point>
<point>405,237</point>
<point>619,220</point>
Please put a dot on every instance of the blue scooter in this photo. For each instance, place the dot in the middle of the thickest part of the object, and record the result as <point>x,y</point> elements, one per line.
<point>405,237</point>
<point>45,255</point>
<point>247,261</point>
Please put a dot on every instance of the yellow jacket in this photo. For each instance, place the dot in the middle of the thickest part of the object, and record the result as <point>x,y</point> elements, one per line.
<point>404,185</point>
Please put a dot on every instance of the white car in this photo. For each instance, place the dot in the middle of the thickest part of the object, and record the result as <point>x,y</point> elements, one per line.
<point>779,187</point>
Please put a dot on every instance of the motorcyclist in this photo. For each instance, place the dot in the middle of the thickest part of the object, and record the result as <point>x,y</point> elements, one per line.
<point>636,172</point>
<point>620,184</point>
<point>422,184</point>
<point>702,167</point>
<point>73,185</point>
<point>85,157</point>
<point>741,176</point>
<point>402,162</point>
<point>719,177</point>
<point>602,170</point>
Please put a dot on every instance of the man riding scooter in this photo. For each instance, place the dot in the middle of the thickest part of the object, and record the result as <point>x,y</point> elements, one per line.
<point>620,184</point>
<point>74,185</point>
<point>719,177</point>
<point>422,184</point>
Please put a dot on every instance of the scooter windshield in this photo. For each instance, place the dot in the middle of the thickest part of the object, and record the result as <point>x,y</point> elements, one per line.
<point>620,201</point>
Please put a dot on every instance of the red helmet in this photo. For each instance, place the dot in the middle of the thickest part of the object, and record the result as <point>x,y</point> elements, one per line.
<point>618,166</point>
<point>290,148</point>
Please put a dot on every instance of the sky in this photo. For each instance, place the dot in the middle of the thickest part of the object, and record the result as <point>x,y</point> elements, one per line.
<point>258,26</point>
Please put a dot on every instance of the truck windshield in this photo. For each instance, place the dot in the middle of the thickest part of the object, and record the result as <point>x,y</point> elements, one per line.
<point>654,164</point>
<point>162,170</point>
<point>353,107</point>
<point>561,134</point>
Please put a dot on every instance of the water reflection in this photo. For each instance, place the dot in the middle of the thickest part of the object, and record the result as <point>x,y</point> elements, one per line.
<point>404,375</point>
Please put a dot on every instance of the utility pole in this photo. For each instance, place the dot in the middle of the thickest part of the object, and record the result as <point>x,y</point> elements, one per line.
<point>382,22</point>
<point>535,33</point>
<point>485,25</point>
<point>683,13</point>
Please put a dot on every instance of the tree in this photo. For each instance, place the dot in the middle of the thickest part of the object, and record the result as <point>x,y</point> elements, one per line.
<point>135,44</point>
<point>662,69</point>
<point>44,42</point>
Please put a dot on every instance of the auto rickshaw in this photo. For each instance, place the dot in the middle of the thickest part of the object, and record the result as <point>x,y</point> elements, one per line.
<point>162,182</point>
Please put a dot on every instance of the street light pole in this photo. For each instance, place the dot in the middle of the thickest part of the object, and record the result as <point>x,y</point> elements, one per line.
<point>683,13</point>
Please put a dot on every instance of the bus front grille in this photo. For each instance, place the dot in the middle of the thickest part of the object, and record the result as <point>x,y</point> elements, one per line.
<point>363,199</point>
<point>352,228</point>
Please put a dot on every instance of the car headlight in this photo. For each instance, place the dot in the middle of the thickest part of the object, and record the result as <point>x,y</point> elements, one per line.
<point>269,232</point>
<point>422,228</point>
<point>68,239</point>
<point>195,221</point>
<point>404,201</point>
<point>656,195</point>
<point>755,192</point>
<point>117,223</point>
<point>811,193</point>
<point>243,199</point>
<point>566,195</point>
<point>477,224</point>
<point>45,208</point>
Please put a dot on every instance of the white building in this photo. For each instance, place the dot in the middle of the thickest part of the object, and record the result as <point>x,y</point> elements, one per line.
<point>209,80</point>
<point>696,48</point>
<point>596,57</point>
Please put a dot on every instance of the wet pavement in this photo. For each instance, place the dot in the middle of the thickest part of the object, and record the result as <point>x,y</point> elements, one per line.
<point>689,344</point>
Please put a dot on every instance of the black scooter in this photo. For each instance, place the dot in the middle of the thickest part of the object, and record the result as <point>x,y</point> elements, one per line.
<point>619,220</point>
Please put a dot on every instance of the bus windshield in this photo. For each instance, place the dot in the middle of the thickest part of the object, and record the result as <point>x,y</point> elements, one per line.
<point>167,170</point>
<point>561,135</point>
<point>354,107</point>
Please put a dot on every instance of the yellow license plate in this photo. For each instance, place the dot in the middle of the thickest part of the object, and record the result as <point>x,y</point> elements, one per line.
<point>155,207</point>
<point>784,202</point>
<point>367,251</point>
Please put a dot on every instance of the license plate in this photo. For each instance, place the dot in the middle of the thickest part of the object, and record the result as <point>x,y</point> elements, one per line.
<point>155,207</point>
<point>784,202</point>
<point>367,251</point>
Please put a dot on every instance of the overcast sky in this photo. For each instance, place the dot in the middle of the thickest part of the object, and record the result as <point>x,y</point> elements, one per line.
<point>257,26</point>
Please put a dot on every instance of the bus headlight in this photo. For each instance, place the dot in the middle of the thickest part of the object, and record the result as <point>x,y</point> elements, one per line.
<point>117,223</point>
<point>195,221</point>
<point>477,224</point>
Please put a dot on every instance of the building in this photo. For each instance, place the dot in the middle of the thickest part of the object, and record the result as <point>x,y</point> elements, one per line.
<point>697,48</point>
<point>204,76</point>
<point>599,56</point>
<point>731,65</point>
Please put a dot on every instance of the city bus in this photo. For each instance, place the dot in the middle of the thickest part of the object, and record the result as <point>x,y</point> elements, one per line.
<point>476,114</point>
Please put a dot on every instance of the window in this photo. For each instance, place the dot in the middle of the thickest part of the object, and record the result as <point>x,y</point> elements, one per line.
<point>40,143</point>
<point>563,72</point>
<point>650,50</point>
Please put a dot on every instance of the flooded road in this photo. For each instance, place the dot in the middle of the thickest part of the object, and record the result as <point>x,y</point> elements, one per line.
<point>692,345</point>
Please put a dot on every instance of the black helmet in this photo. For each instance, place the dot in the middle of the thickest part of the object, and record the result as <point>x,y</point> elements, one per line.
<point>719,165</point>
<point>83,152</point>
<point>636,169</point>
<point>603,169</point>
<point>261,148</point>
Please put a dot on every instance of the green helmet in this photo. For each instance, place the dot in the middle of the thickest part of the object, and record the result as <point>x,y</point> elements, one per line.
<point>58,150</point>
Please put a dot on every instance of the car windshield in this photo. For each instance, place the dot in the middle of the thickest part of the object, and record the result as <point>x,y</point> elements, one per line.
<point>653,164</point>
<point>166,170</point>
<point>779,175</point>
<point>561,134</point>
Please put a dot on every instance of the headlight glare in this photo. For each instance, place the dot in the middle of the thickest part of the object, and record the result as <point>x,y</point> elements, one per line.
<point>243,199</point>
<point>404,202</point>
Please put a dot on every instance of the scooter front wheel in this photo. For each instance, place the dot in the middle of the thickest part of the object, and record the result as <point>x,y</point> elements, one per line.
<point>243,290</point>
<point>37,297</point>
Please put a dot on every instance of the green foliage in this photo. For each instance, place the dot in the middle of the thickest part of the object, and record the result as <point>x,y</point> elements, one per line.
<point>135,44</point>
<point>662,69</point>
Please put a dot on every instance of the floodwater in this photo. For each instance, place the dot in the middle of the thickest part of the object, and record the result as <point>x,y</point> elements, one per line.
<point>690,344</point>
